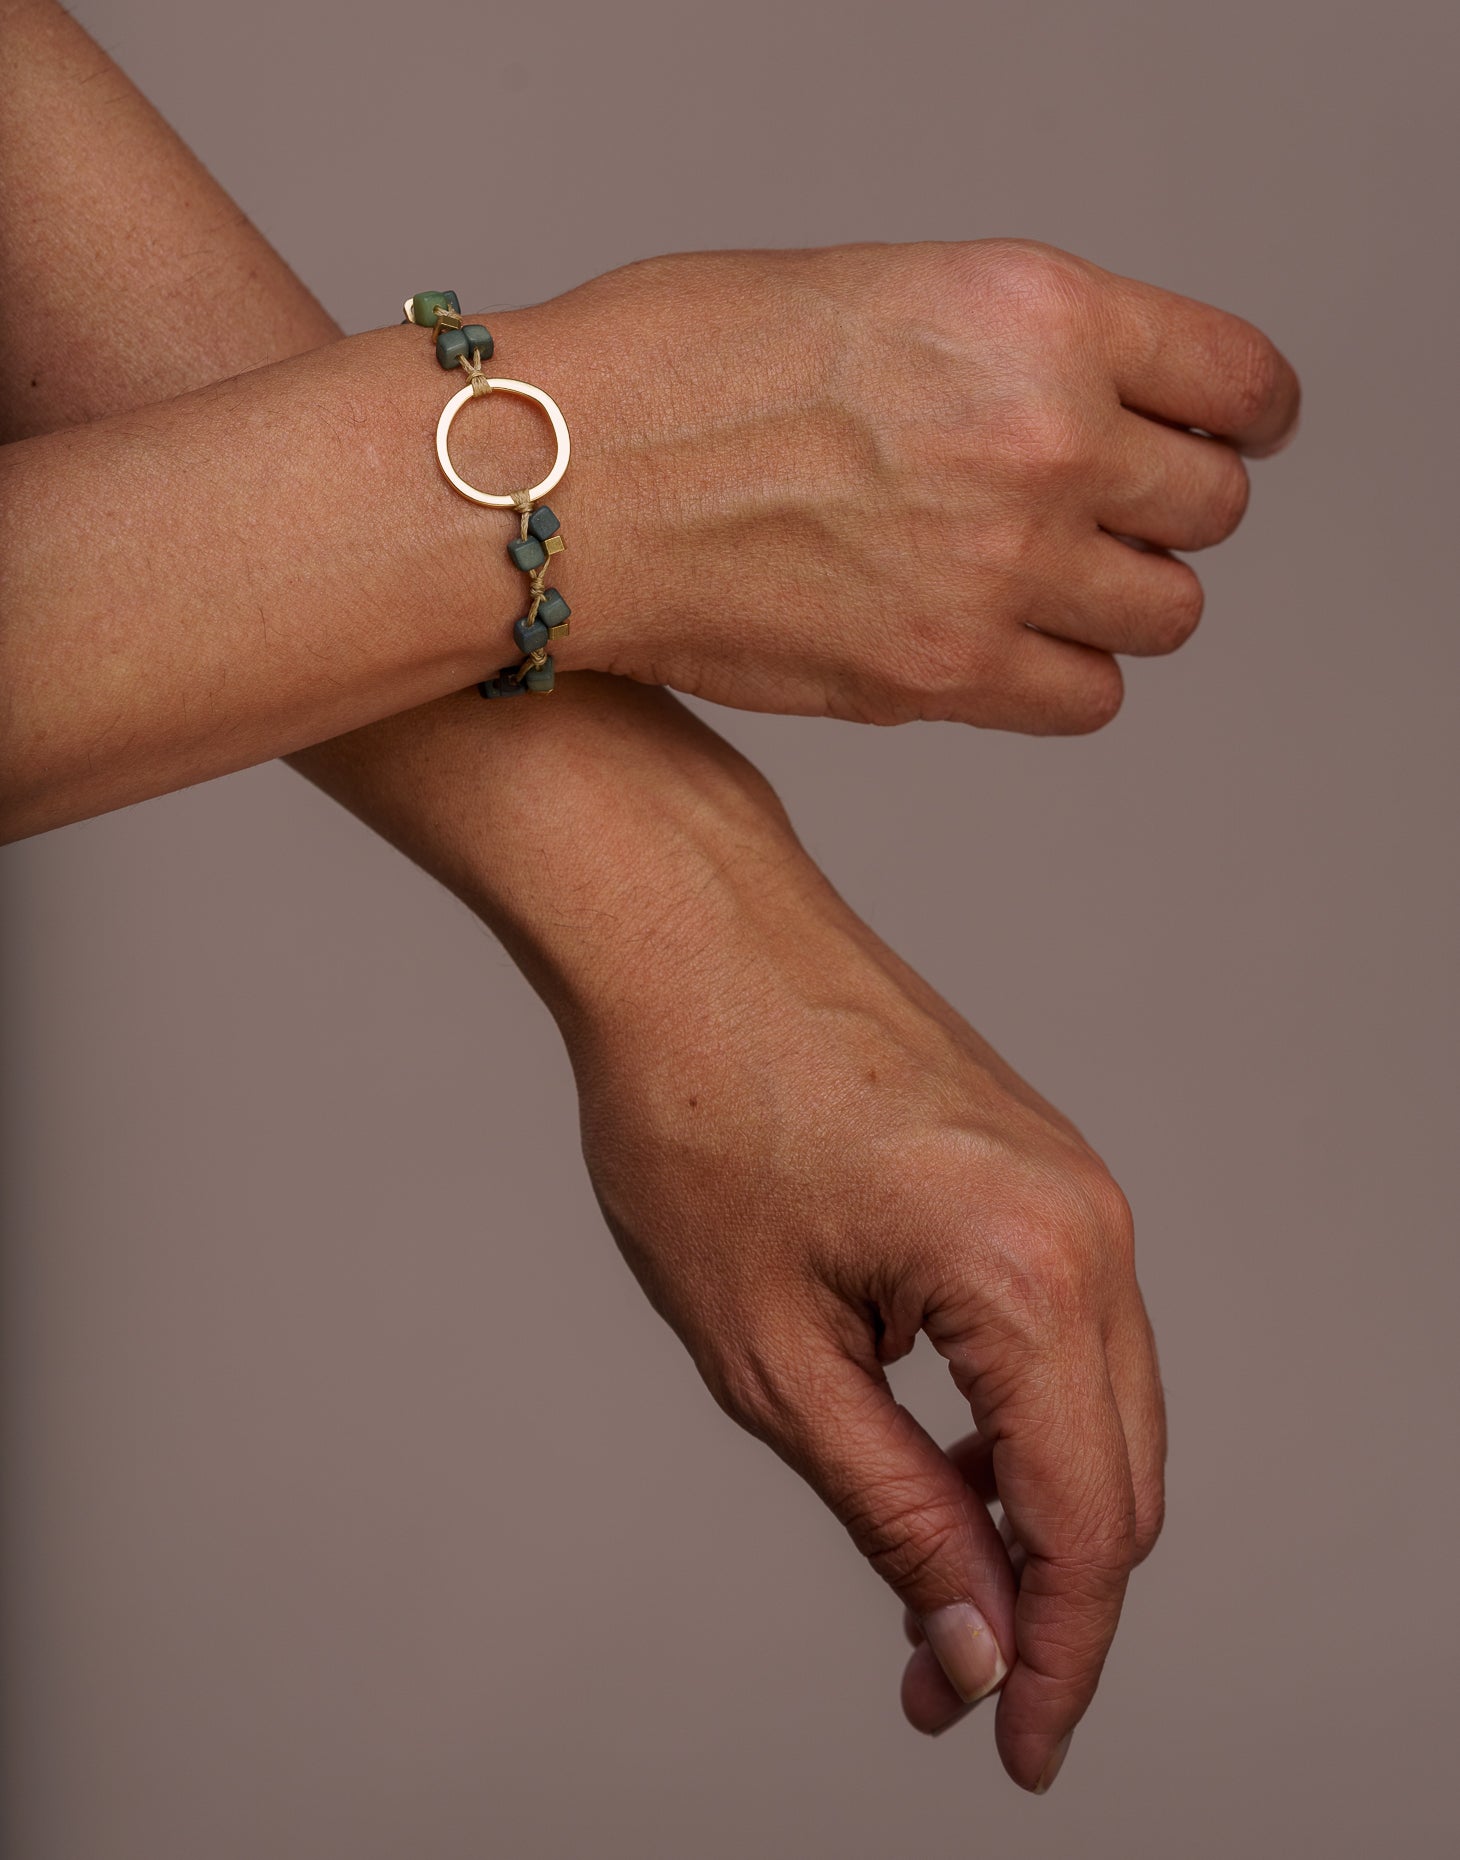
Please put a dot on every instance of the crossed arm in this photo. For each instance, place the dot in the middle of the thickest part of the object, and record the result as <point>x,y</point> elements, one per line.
<point>806,1156</point>
<point>872,481</point>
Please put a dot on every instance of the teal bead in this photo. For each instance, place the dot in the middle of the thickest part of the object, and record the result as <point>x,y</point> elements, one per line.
<point>478,336</point>
<point>553,610</point>
<point>541,677</point>
<point>542,523</point>
<point>527,552</point>
<point>451,347</point>
<point>529,638</point>
<point>425,304</point>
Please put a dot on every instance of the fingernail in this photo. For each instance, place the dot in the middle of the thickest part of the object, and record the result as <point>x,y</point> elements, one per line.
<point>966,1650</point>
<point>929,1702</point>
<point>1052,1768</point>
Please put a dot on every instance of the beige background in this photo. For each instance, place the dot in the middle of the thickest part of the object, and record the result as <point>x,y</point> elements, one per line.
<point>358,1506</point>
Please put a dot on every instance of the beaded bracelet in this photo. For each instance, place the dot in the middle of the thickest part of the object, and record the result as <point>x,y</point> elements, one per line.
<point>464,344</point>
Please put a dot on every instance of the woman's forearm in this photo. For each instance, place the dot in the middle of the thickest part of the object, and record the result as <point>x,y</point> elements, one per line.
<point>548,819</point>
<point>574,826</point>
<point>513,806</point>
<point>623,835</point>
<point>196,585</point>
<point>877,482</point>
<point>205,583</point>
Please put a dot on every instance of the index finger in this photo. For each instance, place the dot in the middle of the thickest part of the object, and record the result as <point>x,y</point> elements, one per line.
<point>1193,365</point>
<point>907,1507</point>
<point>1063,1475</point>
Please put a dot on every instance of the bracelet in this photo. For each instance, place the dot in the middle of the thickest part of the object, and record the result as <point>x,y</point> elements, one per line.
<point>461,343</point>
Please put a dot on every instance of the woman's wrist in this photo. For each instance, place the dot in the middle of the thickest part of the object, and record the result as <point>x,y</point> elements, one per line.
<point>270,561</point>
<point>620,849</point>
<point>468,588</point>
<point>670,867</point>
<point>504,443</point>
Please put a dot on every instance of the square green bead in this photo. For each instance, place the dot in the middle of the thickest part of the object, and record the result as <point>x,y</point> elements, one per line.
<point>527,552</point>
<point>425,304</point>
<point>553,610</point>
<point>541,677</point>
<point>451,347</point>
<point>530,636</point>
<point>542,523</point>
<point>478,336</point>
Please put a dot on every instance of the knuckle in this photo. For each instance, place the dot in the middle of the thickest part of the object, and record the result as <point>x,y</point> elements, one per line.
<point>940,674</point>
<point>1106,1553</point>
<point>1180,613</point>
<point>1115,1545</point>
<point>1109,1218</point>
<point>1038,282</point>
<point>1009,550</point>
<point>1090,1576</point>
<point>1150,1520</point>
<point>1230,498</point>
<point>746,1387</point>
<point>1099,1550</point>
<point>955,661</point>
<point>1104,1233</point>
<point>1256,372</point>
<point>903,1540</point>
<point>1046,1273</point>
<point>1073,1230</point>
<point>1044,442</point>
<point>1098,699</point>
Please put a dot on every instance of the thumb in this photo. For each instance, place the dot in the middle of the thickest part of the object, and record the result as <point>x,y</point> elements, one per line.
<point>915,1518</point>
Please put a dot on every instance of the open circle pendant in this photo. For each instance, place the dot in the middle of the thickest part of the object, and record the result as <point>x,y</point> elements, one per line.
<point>499,386</point>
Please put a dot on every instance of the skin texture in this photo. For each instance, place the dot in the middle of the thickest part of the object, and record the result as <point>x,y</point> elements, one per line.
<point>873,481</point>
<point>805,1154</point>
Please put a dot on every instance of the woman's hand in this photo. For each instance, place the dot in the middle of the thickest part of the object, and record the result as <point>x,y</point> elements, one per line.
<point>807,1157</point>
<point>854,480</point>
<point>877,482</point>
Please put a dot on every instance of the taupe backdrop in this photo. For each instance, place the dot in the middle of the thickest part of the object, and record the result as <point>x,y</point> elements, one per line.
<point>358,1506</point>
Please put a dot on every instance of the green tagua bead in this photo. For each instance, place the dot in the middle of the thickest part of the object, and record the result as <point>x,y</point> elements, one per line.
<point>553,610</point>
<point>425,304</point>
<point>527,552</point>
<point>530,636</point>
<point>540,678</point>
<point>454,345</point>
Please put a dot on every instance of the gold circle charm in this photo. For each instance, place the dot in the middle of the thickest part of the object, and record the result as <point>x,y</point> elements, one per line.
<point>499,386</point>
